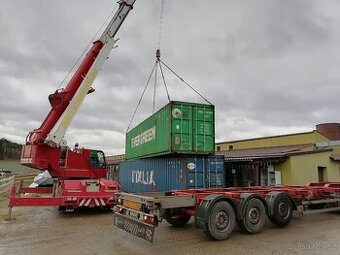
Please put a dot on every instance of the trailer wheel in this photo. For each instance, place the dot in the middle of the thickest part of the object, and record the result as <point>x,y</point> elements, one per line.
<point>221,221</point>
<point>176,218</point>
<point>282,210</point>
<point>253,216</point>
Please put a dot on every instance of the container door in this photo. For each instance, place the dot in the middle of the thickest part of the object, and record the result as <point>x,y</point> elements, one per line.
<point>203,131</point>
<point>195,180</point>
<point>196,172</point>
<point>215,174</point>
<point>181,115</point>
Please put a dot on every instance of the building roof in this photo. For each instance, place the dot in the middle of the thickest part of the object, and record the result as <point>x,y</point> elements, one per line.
<point>267,152</point>
<point>115,159</point>
<point>266,137</point>
<point>336,157</point>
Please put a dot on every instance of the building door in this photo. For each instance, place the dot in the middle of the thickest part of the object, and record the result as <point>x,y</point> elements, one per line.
<point>321,173</point>
<point>278,178</point>
<point>263,176</point>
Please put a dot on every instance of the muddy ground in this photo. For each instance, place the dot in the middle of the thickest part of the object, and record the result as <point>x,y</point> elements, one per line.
<point>43,230</point>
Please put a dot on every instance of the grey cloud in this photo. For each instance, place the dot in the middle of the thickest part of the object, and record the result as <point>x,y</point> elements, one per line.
<point>270,67</point>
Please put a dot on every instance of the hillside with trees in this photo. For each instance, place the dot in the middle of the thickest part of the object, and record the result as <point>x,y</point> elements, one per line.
<point>9,150</point>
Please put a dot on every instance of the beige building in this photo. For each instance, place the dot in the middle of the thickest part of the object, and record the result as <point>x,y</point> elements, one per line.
<point>112,166</point>
<point>293,159</point>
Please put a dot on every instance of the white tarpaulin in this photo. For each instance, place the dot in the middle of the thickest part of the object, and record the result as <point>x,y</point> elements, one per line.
<point>43,178</point>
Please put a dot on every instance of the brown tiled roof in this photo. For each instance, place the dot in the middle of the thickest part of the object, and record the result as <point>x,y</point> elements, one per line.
<point>267,152</point>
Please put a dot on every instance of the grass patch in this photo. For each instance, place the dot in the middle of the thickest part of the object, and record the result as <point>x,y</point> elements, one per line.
<point>16,167</point>
<point>3,202</point>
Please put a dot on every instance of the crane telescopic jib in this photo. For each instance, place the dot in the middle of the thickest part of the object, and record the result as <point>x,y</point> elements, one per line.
<point>45,147</point>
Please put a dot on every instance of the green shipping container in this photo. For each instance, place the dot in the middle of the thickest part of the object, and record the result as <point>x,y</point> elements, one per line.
<point>179,127</point>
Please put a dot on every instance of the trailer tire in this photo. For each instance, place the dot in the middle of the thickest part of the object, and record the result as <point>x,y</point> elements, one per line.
<point>282,211</point>
<point>176,218</point>
<point>221,221</point>
<point>253,216</point>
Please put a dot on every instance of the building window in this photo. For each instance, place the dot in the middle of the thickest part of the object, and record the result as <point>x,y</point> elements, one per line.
<point>218,148</point>
<point>231,147</point>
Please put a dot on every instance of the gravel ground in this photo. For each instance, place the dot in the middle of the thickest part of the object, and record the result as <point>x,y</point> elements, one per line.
<point>44,230</point>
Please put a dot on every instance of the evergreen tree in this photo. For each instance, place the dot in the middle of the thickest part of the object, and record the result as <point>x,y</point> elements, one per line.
<point>9,150</point>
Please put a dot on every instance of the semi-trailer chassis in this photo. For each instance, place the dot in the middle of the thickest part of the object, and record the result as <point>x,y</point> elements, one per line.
<point>217,211</point>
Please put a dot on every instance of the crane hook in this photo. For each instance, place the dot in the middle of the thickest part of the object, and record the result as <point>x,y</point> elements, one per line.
<point>158,54</point>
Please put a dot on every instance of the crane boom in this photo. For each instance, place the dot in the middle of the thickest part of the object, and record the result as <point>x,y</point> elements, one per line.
<point>65,102</point>
<point>45,147</point>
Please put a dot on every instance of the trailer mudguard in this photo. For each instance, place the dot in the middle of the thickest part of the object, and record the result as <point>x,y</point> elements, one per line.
<point>203,209</point>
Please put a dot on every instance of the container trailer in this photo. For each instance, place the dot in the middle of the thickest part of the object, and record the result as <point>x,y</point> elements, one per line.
<point>217,211</point>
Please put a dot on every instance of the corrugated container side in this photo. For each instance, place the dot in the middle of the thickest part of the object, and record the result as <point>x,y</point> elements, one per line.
<point>179,127</point>
<point>168,173</point>
<point>151,136</point>
<point>216,173</point>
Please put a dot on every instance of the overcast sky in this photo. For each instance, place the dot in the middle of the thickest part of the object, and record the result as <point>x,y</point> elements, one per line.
<point>270,67</point>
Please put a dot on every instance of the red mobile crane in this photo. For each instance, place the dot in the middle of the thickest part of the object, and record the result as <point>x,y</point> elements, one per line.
<point>78,174</point>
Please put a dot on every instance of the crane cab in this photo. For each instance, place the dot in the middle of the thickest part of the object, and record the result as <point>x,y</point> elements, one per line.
<point>66,163</point>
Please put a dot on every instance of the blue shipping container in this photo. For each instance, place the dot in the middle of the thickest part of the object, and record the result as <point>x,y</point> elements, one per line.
<point>168,173</point>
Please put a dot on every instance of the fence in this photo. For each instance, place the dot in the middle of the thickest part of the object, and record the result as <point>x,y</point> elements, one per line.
<point>24,177</point>
<point>5,185</point>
